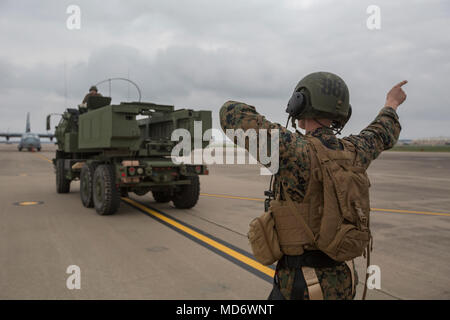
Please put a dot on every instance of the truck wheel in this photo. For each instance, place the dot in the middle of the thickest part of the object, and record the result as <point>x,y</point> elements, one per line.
<point>62,183</point>
<point>187,196</point>
<point>106,194</point>
<point>20,148</point>
<point>162,196</point>
<point>86,183</point>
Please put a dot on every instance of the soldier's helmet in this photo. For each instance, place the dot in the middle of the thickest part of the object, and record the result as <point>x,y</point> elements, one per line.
<point>325,96</point>
<point>93,88</point>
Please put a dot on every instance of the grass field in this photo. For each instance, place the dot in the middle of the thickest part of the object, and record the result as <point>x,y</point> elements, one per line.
<point>423,148</point>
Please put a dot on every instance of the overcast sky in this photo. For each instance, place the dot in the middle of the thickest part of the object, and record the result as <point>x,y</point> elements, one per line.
<point>201,53</point>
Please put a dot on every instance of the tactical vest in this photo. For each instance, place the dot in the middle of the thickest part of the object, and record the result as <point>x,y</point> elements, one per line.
<point>334,214</point>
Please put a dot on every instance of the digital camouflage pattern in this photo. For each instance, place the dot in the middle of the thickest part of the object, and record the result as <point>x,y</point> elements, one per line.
<point>294,170</point>
<point>294,161</point>
<point>336,282</point>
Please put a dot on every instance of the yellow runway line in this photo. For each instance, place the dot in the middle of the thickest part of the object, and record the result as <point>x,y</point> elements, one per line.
<point>250,262</point>
<point>230,197</point>
<point>411,211</point>
<point>44,158</point>
<point>373,209</point>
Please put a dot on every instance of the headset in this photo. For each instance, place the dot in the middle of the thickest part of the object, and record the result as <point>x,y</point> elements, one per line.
<point>297,106</point>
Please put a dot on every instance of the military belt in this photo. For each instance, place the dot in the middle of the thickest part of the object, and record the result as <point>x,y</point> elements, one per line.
<point>312,259</point>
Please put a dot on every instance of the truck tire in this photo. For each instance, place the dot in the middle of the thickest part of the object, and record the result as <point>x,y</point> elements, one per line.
<point>187,196</point>
<point>86,183</point>
<point>105,193</point>
<point>62,183</point>
<point>162,196</point>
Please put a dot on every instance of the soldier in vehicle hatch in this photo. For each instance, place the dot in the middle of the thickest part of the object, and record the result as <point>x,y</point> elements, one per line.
<point>93,91</point>
<point>319,213</point>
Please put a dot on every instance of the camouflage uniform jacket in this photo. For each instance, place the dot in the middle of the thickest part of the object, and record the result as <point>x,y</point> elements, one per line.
<point>294,165</point>
<point>294,161</point>
<point>90,94</point>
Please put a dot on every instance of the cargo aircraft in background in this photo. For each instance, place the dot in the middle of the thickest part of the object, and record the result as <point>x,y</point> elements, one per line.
<point>28,140</point>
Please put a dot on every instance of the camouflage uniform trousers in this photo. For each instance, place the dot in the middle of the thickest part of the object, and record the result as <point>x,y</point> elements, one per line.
<point>336,282</point>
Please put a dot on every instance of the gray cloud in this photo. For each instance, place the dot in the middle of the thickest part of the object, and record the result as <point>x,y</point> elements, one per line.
<point>199,54</point>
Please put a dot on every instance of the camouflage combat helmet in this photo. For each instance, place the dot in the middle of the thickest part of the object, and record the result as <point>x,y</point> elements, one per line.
<point>93,88</point>
<point>326,96</point>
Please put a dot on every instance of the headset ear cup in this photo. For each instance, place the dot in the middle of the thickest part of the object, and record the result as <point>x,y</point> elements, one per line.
<point>349,114</point>
<point>296,105</point>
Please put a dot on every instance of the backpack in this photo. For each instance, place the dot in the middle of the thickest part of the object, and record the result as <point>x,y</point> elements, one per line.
<point>333,217</point>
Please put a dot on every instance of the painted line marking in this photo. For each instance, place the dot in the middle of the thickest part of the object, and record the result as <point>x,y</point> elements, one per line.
<point>28,203</point>
<point>44,158</point>
<point>373,209</point>
<point>412,212</point>
<point>225,251</point>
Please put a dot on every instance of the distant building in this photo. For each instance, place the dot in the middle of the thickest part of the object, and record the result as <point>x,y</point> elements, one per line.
<point>404,142</point>
<point>438,141</point>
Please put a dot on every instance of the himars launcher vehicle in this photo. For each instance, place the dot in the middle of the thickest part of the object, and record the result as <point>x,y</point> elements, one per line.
<point>112,153</point>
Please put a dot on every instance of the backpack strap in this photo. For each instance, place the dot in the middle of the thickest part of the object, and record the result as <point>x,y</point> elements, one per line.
<point>309,274</point>
<point>299,218</point>
<point>327,165</point>
<point>321,152</point>
<point>312,283</point>
<point>369,248</point>
<point>351,265</point>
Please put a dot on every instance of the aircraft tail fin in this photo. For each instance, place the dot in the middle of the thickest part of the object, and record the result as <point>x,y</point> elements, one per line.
<point>27,128</point>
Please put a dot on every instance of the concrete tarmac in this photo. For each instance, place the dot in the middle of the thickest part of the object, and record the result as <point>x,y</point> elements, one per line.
<point>131,256</point>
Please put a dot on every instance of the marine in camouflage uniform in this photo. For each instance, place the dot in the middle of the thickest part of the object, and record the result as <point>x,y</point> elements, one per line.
<point>93,91</point>
<point>294,165</point>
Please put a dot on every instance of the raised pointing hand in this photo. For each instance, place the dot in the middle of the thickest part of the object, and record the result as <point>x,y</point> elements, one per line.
<point>396,95</point>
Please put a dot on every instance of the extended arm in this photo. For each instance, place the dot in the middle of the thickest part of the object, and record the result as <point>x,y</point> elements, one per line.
<point>237,115</point>
<point>383,132</point>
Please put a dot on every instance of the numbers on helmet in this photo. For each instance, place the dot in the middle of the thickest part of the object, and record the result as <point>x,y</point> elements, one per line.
<point>337,88</point>
<point>332,87</point>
